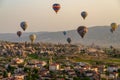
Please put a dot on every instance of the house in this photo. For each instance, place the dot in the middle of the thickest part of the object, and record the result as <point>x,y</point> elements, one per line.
<point>18,70</point>
<point>41,63</point>
<point>112,68</point>
<point>94,68</point>
<point>67,68</point>
<point>113,75</point>
<point>88,73</point>
<point>44,72</point>
<point>80,63</point>
<point>102,68</point>
<point>72,73</point>
<point>54,67</point>
<point>31,65</point>
<point>92,50</point>
<point>9,74</point>
<point>19,77</point>
<point>36,63</point>
<point>17,60</point>
<point>86,67</point>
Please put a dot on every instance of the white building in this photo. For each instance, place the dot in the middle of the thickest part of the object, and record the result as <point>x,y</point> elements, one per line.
<point>112,68</point>
<point>54,66</point>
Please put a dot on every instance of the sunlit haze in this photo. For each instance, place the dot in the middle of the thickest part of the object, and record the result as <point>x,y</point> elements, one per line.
<point>41,17</point>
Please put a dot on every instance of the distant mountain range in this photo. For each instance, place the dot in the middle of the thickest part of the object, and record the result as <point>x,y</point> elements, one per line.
<point>99,35</point>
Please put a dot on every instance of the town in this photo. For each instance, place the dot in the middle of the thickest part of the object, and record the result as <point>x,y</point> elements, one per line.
<point>47,61</point>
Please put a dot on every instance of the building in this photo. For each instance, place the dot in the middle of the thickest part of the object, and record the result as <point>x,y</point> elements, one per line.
<point>54,67</point>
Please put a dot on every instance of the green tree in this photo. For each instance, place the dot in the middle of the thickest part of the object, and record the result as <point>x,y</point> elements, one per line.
<point>10,69</point>
<point>5,74</point>
<point>103,78</point>
<point>86,78</point>
<point>107,73</point>
<point>119,72</point>
<point>35,70</point>
<point>29,76</point>
<point>26,69</point>
<point>76,78</point>
<point>35,76</point>
<point>21,65</point>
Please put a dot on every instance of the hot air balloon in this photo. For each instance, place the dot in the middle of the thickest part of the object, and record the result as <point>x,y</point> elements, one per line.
<point>82,30</point>
<point>56,7</point>
<point>24,25</point>
<point>32,37</point>
<point>69,40</point>
<point>84,14</point>
<point>64,32</point>
<point>114,26</point>
<point>19,33</point>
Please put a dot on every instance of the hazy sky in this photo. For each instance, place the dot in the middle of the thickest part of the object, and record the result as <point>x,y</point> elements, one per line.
<point>40,16</point>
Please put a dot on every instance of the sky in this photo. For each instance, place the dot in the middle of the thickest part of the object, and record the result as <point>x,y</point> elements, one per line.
<point>41,17</point>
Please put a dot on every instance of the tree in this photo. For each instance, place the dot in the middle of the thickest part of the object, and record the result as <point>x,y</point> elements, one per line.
<point>103,78</point>
<point>5,74</point>
<point>107,73</point>
<point>32,74</point>
<point>86,78</point>
<point>35,70</point>
<point>119,72</point>
<point>76,78</point>
<point>10,69</point>
<point>26,69</point>
<point>29,76</point>
<point>20,65</point>
<point>35,76</point>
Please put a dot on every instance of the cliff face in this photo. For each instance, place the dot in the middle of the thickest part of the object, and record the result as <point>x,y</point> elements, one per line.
<point>99,35</point>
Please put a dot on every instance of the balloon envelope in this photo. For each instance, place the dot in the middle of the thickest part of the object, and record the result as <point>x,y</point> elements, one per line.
<point>56,7</point>
<point>32,37</point>
<point>19,33</point>
<point>84,14</point>
<point>24,25</point>
<point>114,26</point>
<point>64,32</point>
<point>69,40</point>
<point>82,30</point>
